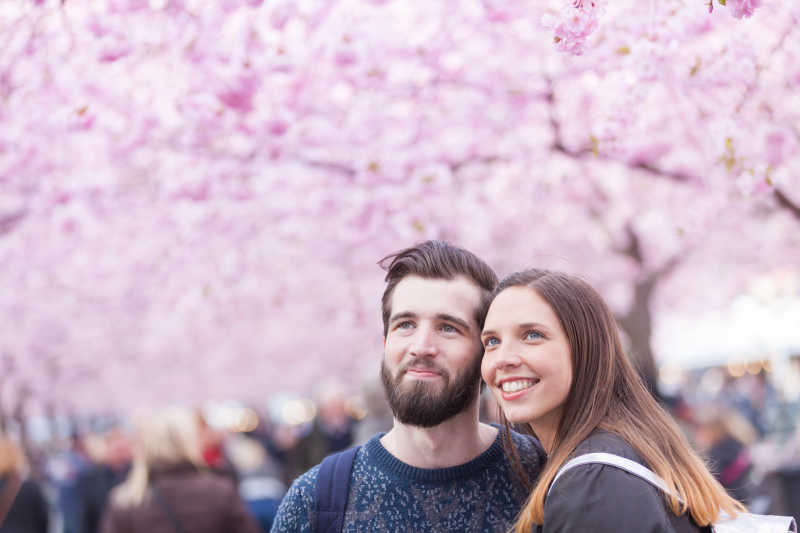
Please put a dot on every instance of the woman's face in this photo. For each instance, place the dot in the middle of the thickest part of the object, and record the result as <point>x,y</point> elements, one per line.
<point>527,360</point>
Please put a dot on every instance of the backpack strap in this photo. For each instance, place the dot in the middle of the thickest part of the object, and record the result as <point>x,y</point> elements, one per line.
<point>331,491</point>
<point>167,508</point>
<point>613,460</point>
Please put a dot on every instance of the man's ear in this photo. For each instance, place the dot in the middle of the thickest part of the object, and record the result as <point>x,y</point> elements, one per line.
<point>384,341</point>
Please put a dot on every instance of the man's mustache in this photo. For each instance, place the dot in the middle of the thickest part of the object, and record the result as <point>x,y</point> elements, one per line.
<point>423,364</point>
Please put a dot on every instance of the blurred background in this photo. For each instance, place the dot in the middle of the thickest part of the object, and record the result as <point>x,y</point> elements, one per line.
<point>194,196</point>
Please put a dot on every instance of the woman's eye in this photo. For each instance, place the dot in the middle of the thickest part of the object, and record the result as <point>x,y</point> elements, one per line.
<point>491,341</point>
<point>533,335</point>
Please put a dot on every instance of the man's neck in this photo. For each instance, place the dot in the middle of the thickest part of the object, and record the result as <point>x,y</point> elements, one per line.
<point>453,442</point>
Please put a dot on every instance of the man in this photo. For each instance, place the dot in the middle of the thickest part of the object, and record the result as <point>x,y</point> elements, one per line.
<point>95,483</point>
<point>438,469</point>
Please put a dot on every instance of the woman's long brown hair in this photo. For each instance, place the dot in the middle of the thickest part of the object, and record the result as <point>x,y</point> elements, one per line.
<point>607,393</point>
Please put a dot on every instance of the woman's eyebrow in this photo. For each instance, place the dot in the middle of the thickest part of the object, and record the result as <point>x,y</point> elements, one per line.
<point>524,325</point>
<point>531,325</point>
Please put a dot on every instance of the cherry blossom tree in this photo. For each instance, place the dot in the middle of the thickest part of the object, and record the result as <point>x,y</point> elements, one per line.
<point>194,195</point>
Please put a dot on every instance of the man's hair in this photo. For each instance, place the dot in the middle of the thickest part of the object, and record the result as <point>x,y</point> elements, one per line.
<point>436,260</point>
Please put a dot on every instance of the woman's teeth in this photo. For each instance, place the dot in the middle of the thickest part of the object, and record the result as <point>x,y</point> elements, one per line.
<point>517,385</point>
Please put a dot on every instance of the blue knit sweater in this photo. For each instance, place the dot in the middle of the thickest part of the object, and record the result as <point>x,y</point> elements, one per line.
<point>386,494</point>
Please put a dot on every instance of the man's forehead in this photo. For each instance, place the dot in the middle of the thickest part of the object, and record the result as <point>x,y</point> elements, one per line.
<point>424,296</point>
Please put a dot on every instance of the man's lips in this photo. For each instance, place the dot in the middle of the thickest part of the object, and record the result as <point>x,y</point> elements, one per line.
<point>423,372</point>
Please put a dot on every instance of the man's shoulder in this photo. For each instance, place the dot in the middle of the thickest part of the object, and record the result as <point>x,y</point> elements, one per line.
<point>296,511</point>
<point>303,485</point>
<point>530,450</point>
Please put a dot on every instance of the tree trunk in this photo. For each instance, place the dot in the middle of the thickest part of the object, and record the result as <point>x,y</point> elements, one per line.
<point>638,324</point>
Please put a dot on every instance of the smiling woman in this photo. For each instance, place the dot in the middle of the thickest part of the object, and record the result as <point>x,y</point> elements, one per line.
<point>554,361</point>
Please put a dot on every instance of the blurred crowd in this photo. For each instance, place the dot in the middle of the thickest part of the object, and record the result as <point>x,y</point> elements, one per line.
<point>144,472</point>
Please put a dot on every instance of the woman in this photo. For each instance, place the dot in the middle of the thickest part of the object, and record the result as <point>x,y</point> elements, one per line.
<point>554,362</point>
<point>724,436</point>
<point>23,508</point>
<point>168,489</point>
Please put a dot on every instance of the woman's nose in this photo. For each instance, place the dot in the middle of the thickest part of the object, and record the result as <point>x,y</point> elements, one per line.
<point>505,357</point>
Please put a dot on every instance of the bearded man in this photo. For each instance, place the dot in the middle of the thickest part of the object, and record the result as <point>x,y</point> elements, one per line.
<point>439,468</point>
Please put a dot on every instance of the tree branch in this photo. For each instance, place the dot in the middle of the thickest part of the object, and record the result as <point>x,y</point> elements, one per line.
<point>787,203</point>
<point>582,153</point>
<point>9,220</point>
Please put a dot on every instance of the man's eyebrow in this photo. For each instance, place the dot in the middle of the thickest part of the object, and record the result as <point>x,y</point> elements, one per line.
<point>454,319</point>
<point>404,314</point>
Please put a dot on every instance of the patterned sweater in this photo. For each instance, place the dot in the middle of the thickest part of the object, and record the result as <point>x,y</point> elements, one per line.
<point>386,494</point>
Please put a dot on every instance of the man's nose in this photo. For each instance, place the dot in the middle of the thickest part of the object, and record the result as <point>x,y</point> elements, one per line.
<point>424,343</point>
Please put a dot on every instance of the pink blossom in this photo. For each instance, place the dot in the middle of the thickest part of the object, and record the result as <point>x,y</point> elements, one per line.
<point>237,174</point>
<point>742,8</point>
<point>576,22</point>
<point>239,96</point>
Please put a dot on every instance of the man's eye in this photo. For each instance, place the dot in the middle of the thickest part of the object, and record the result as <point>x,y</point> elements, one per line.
<point>533,335</point>
<point>447,328</point>
<point>491,341</point>
<point>405,324</point>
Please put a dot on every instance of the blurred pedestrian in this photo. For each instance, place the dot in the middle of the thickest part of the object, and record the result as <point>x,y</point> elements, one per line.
<point>64,470</point>
<point>724,436</point>
<point>212,444</point>
<point>169,489</point>
<point>111,456</point>
<point>23,508</point>
<point>378,417</point>
<point>260,482</point>
<point>332,430</point>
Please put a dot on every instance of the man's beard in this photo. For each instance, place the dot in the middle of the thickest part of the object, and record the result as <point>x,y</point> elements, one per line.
<point>427,404</point>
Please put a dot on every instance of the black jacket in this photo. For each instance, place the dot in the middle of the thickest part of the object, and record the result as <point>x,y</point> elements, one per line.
<point>28,513</point>
<point>604,499</point>
<point>92,488</point>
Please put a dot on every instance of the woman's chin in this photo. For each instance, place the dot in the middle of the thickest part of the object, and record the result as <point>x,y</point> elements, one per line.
<point>517,418</point>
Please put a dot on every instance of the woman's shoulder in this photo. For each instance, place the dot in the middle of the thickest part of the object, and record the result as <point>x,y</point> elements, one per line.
<point>603,497</point>
<point>606,498</point>
<point>606,442</point>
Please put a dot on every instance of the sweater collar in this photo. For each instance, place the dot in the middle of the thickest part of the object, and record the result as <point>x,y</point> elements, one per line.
<point>380,457</point>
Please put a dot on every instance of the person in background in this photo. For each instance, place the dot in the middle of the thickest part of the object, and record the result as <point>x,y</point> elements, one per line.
<point>23,508</point>
<point>212,442</point>
<point>169,489</point>
<point>378,417</point>
<point>724,436</point>
<point>64,469</point>
<point>111,454</point>
<point>259,480</point>
<point>332,429</point>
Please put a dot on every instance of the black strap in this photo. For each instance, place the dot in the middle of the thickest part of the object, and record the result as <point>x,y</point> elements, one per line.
<point>167,509</point>
<point>333,482</point>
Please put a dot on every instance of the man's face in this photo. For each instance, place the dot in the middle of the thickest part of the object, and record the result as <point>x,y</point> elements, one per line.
<point>432,354</point>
